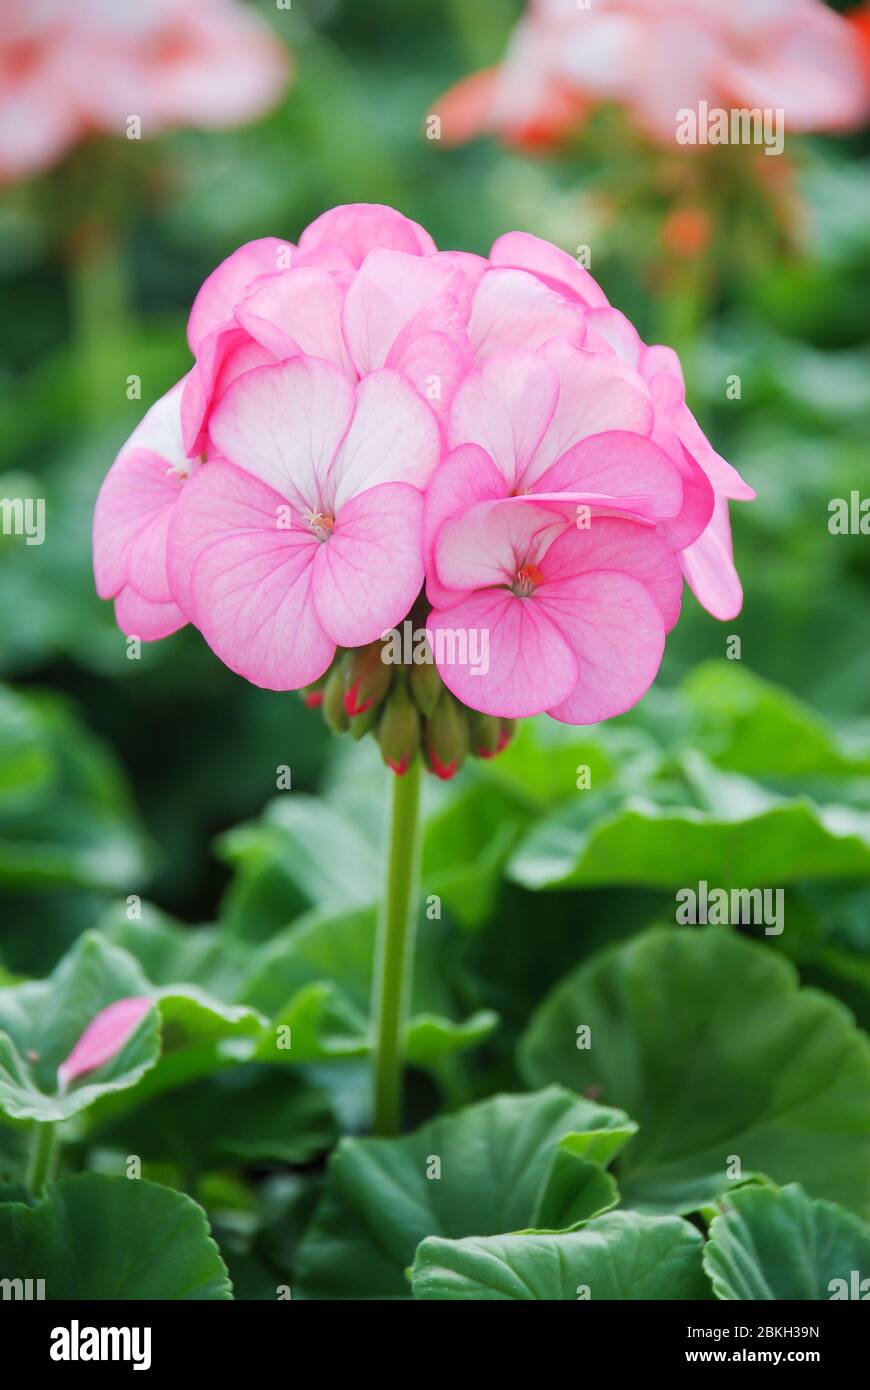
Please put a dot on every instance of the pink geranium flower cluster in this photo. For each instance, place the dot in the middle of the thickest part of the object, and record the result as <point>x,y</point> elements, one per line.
<point>71,69</point>
<point>656,57</point>
<point>372,426</point>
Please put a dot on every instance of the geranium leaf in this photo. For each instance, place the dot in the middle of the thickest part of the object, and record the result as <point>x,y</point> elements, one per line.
<point>480,1171</point>
<point>622,1255</point>
<point>728,1068</point>
<point>769,1243</point>
<point>98,1237</point>
<point>42,1021</point>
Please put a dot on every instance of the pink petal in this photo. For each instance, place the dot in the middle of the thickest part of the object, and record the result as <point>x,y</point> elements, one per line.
<point>505,406</point>
<point>104,1037</point>
<point>698,500</point>
<point>357,228</point>
<point>130,522</point>
<point>298,311</point>
<point>466,476</point>
<point>391,289</point>
<point>131,519</point>
<point>724,477</point>
<point>246,578</point>
<point>530,665</point>
<point>436,363</point>
<point>709,567</point>
<point>620,465</point>
<point>231,281</point>
<point>284,423</point>
<point>615,544</point>
<point>618,333</point>
<point>370,571</point>
<point>224,354</point>
<point>487,544</point>
<point>616,633</point>
<point>551,265</point>
<point>140,617</point>
<point>513,310</point>
<point>596,394</point>
<point>468,270</point>
<point>393,438</point>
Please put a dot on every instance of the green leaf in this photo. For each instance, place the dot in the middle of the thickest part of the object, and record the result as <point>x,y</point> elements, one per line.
<point>244,1116</point>
<point>316,980</point>
<point>705,1038</point>
<point>480,1171</point>
<point>716,826</point>
<point>26,762</point>
<point>96,1237</point>
<point>621,1256</point>
<point>41,1021</point>
<point>577,1188</point>
<point>313,854</point>
<point>200,1037</point>
<point>465,845</point>
<point>429,1040</point>
<point>544,760</point>
<point>760,729</point>
<point>172,954</point>
<point>77,827</point>
<point>770,1243</point>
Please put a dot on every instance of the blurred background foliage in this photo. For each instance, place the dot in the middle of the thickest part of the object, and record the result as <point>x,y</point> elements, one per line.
<point>156,777</point>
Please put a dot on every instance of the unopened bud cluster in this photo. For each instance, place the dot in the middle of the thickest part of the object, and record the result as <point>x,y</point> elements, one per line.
<point>409,710</point>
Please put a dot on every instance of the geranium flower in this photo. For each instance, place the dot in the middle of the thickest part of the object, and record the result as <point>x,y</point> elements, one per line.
<point>656,57</point>
<point>300,495</point>
<point>306,533</point>
<point>576,619</point>
<point>70,70</point>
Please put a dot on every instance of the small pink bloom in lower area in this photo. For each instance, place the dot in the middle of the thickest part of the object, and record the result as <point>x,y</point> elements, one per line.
<point>104,1037</point>
<point>375,431</point>
<point>655,58</point>
<point>67,70</point>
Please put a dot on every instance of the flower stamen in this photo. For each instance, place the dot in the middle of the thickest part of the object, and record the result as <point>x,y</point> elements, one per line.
<point>321,523</point>
<point>527,576</point>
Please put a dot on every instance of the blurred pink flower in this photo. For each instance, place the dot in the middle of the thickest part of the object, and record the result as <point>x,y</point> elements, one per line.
<point>657,57</point>
<point>68,70</point>
<point>366,414</point>
<point>104,1037</point>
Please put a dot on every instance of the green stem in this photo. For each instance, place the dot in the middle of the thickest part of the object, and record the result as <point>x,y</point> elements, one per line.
<point>98,300</point>
<point>395,949</point>
<point>42,1154</point>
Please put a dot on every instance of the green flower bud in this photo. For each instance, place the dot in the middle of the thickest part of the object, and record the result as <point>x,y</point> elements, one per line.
<point>485,731</point>
<point>333,700</point>
<point>362,723</point>
<point>399,729</point>
<point>367,679</point>
<point>508,729</point>
<point>425,685</point>
<point>446,739</point>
